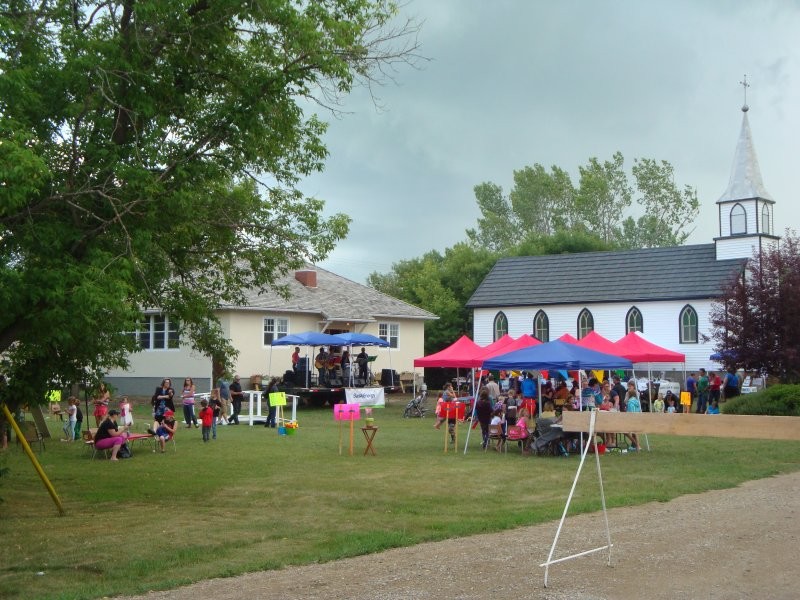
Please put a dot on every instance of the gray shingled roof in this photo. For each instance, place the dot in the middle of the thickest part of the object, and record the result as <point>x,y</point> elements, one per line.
<point>335,298</point>
<point>680,272</point>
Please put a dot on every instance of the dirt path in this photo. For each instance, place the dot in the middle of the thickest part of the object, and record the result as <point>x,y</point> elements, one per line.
<point>728,544</point>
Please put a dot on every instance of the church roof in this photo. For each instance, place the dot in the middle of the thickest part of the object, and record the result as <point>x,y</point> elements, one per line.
<point>745,182</point>
<point>647,274</point>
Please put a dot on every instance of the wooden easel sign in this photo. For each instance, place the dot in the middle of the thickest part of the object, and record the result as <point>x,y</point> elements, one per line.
<point>346,412</point>
<point>278,400</point>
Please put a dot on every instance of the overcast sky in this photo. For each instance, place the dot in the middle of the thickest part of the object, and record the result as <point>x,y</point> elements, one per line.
<point>517,82</point>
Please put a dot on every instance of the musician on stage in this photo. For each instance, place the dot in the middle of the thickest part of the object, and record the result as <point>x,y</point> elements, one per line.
<point>363,361</point>
<point>321,362</point>
<point>296,358</point>
<point>346,364</point>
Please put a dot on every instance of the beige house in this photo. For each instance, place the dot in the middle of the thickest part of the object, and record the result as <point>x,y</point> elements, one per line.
<point>319,300</point>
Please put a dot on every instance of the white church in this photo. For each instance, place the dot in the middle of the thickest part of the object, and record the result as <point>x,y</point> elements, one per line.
<point>671,311</point>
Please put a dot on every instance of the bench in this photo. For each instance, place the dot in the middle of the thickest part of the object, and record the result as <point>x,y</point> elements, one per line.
<point>32,434</point>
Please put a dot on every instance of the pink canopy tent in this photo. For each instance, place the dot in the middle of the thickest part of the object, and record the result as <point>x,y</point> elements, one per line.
<point>637,349</point>
<point>569,339</point>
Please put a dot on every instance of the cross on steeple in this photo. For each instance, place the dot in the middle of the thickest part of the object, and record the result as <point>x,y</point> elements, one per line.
<point>745,85</point>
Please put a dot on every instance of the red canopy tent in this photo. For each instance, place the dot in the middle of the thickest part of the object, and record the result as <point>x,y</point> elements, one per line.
<point>463,353</point>
<point>569,339</point>
<point>495,346</point>
<point>637,349</point>
<point>522,341</point>
<point>595,341</point>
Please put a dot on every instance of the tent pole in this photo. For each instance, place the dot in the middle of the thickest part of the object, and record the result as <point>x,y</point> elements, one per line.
<point>472,417</point>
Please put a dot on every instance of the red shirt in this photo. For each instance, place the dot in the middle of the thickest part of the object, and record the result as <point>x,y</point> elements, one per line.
<point>207,416</point>
<point>714,382</point>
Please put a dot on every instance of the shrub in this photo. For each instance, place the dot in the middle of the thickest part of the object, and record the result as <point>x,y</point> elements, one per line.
<point>779,400</point>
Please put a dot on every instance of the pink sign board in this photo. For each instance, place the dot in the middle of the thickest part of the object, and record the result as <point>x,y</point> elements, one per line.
<point>346,412</point>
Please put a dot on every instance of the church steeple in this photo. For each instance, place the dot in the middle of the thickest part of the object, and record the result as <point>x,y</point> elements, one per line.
<point>745,208</point>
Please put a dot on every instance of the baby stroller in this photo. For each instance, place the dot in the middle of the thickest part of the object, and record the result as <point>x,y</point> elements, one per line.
<point>548,440</point>
<point>416,406</point>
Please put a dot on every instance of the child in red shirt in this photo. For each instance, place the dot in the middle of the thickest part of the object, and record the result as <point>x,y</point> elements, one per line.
<point>207,418</point>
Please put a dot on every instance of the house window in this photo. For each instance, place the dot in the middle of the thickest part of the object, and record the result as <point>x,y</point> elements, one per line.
<point>585,323</point>
<point>766,226</point>
<point>541,327</point>
<point>157,332</point>
<point>389,332</point>
<point>738,220</point>
<point>500,326</point>
<point>634,321</point>
<point>275,329</point>
<point>688,325</point>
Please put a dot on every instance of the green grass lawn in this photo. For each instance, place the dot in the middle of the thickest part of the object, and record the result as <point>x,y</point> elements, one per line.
<point>254,500</point>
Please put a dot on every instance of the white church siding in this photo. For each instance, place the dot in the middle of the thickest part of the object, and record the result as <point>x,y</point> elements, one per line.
<point>749,207</point>
<point>661,322</point>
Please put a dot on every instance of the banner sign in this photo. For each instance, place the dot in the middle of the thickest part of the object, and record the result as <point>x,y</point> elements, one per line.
<point>365,396</point>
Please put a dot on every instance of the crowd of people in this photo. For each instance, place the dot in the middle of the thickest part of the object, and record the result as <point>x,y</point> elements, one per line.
<point>514,403</point>
<point>114,427</point>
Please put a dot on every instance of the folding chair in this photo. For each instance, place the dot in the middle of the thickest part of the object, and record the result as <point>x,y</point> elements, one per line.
<point>517,433</point>
<point>496,434</point>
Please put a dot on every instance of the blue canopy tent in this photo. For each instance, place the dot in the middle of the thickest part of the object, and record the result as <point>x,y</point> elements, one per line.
<point>556,355</point>
<point>351,339</point>
<point>307,338</point>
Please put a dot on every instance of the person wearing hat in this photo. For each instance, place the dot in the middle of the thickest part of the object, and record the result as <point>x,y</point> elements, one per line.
<point>109,434</point>
<point>237,395</point>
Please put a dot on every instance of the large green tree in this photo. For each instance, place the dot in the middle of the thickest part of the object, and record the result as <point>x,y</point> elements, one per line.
<point>441,284</point>
<point>543,202</point>
<point>149,156</point>
<point>669,212</point>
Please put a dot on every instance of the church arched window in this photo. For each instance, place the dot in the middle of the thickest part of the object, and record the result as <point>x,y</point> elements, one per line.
<point>541,327</point>
<point>500,325</point>
<point>634,320</point>
<point>738,220</point>
<point>766,225</point>
<point>688,325</point>
<point>585,323</point>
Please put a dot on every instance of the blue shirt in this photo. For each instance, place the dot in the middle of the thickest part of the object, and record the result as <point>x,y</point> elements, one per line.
<point>224,392</point>
<point>634,405</point>
<point>528,388</point>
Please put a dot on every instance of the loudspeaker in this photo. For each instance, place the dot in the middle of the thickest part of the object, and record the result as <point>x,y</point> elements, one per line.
<point>389,377</point>
<point>288,377</point>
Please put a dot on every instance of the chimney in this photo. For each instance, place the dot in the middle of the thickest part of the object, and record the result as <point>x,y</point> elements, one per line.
<point>307,277</point>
